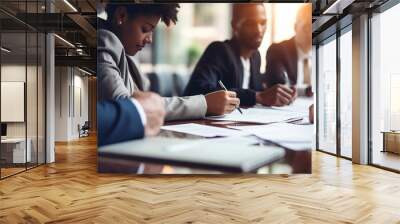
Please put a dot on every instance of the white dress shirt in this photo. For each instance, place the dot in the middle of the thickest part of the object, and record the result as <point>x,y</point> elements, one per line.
<point>300,65</point>
<point>140,109</point>
<point>301,56</point>
<point>246,72</point>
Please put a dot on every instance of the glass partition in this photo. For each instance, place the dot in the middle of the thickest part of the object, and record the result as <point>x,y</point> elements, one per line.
<point>346,93</point>
<point>15,149</point>
<point>327,96</point>
<point>22,88</point>
<point>385,89</point>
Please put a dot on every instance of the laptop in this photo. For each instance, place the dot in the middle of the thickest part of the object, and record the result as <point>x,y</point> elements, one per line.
<point>213,154</point>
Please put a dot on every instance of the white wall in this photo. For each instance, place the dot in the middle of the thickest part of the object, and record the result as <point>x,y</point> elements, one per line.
<point>15,73</point>
<point>33,126</point>
<point>62,81</point>
<point>70,83</point>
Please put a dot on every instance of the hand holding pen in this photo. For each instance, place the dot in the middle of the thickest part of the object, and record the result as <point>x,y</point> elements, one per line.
<point>289,85</point>
<point>223,86</point>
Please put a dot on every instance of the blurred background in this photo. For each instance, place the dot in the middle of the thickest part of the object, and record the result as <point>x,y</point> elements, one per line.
<point>169,61</point>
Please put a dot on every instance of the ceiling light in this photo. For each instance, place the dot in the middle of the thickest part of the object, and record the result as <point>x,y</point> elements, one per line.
<point>84,71</point>
<point>337,7</point>
<point>70,5</point>
<point>64,40</point>
<point>5,50</point>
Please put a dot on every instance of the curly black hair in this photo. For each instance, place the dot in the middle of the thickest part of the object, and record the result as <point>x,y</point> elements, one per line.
<point>167,11</point>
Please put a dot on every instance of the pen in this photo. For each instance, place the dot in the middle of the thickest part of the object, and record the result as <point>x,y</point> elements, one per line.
<point>223,86</point>
<point>287,81</point>
<point>286,77</point>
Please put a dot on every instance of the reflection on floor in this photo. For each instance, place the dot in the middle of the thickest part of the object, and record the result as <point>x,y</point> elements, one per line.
<point>11,169</point>
<point>71,191</point>
<point>386,159</point>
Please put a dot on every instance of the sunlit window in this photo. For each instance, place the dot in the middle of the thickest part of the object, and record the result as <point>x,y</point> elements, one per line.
<point>327,96</point>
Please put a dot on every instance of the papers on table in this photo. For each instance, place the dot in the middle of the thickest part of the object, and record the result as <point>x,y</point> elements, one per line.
<point>259,115</point>
<point>232,140</point>
<point>292,136</point>
<point>300,105</point>
<point>203,130</point>
<point>237,140</point>
<point>296,137</point>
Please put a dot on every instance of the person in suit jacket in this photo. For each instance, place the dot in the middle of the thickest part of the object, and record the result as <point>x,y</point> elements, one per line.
<point>236,62</point>
<point>127,30</point>
<point>290,60</point>
<point>129,118</point>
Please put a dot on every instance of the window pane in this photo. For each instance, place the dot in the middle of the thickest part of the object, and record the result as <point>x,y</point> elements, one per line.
<point>346,94</point>
<point>15,150</point>
<point>385,84</point>
<point>41,99</point>
<point>327,97</point>
<point>31,98</point>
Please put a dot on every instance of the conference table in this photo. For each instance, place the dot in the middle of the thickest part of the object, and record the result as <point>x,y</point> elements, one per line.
<point>294,161</point>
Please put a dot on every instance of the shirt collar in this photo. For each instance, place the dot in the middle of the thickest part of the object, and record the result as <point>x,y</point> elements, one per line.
<point>302,55</point>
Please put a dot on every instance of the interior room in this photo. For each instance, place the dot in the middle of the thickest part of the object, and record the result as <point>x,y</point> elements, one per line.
<point>49,146</point>
<point>31,93</point>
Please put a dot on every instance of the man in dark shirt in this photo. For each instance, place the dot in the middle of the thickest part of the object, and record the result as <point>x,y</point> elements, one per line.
<point>290,61</point>
<point>236,62</point>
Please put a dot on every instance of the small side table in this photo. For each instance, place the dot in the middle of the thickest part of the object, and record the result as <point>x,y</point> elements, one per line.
<point>13,150</point>
<point>391,141</point>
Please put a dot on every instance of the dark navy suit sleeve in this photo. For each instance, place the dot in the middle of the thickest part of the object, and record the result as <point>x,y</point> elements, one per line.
<point>274,67</point>
<point>208,71</point>
<point>118,121</point>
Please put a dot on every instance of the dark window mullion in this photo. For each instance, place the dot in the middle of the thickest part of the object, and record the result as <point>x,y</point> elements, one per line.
<point>317,96</point>
<point>26,87</point>
<point>369,79</point>
<point>37,89</point>
<point>338,98</point>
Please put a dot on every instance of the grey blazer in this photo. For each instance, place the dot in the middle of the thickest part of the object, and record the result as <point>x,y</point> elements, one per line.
<point>118,77</point>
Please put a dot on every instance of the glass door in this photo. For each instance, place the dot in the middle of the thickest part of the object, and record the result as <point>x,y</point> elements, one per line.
<point>346,92</point>
<point>327,96</point>
<point>14,144</point>
<point>385,89</point>
<point>22,88</point>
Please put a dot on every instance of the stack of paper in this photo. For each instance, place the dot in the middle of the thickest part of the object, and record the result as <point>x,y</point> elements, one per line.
<point>300,105</point>
<point>296,137</point>
<point>203,130</point>
<point>259,115</point>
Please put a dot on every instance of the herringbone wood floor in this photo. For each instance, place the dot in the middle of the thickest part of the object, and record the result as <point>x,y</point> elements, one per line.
<point>71,191</point>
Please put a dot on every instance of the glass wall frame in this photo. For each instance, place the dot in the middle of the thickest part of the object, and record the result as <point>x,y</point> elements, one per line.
<point>326,97</point>
<point>383,85</point>
<point>338,128</point>
<point>26,58</point>
<point>345,93</point>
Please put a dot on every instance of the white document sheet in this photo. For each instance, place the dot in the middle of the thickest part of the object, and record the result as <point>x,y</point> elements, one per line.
<point>296,137</point>
<point>300,105</point>
<point>259,115</point>
<point>232,140</point>
<point>203,130</point>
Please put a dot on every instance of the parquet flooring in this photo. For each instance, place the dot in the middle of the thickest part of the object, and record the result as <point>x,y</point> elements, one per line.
<point>71,191</point>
